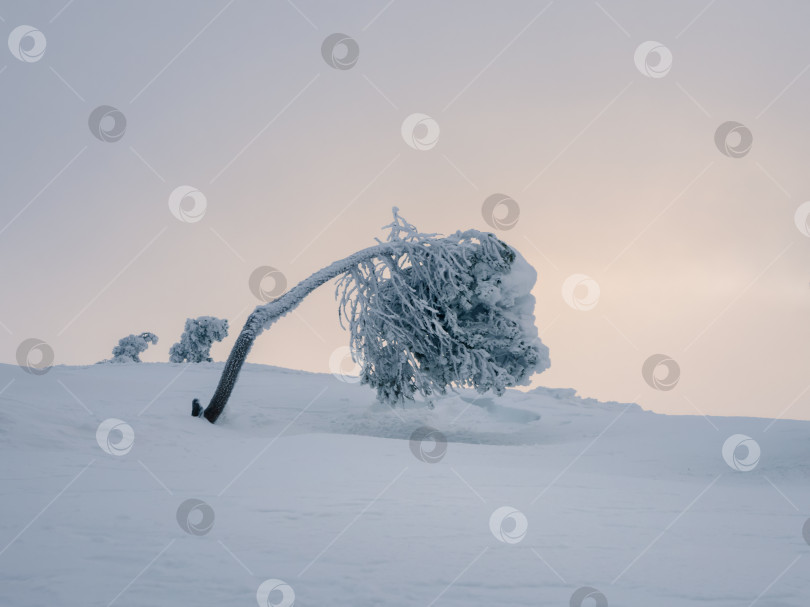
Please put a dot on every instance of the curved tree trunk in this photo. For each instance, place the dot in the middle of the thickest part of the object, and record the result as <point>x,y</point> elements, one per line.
<point>265,315</point>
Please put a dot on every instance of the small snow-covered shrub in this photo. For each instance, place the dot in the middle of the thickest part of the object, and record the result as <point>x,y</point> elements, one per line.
<point>197,338</point>
<point>130,347</point>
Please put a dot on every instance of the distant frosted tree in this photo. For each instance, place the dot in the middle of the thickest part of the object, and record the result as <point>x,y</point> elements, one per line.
<point>197,338</point>
<point>424,312</point>
<point>130,347</point>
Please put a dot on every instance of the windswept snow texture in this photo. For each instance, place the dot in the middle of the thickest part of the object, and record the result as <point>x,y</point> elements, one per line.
<point>309,480</point>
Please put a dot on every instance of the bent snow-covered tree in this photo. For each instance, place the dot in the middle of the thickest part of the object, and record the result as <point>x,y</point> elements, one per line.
<point>198,336</point>
<point>425,312</point>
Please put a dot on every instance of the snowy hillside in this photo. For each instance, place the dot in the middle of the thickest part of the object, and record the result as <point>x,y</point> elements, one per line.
<point>308,481</point>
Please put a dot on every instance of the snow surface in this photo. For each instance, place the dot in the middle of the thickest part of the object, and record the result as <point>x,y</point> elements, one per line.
<point>313,483</point>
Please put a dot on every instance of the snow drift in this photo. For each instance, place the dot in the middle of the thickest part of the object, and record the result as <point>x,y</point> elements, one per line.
<point>522,500</point>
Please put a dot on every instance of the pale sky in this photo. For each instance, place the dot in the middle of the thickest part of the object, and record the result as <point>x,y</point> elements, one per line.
<point>616,173</point>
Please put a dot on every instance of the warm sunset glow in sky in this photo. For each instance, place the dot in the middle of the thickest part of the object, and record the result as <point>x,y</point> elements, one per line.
<point>617,176</point>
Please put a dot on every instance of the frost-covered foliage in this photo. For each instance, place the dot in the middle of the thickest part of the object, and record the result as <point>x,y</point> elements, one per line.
<point>197,338</point>
<point>130,347</point>
<point>441,312</point>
